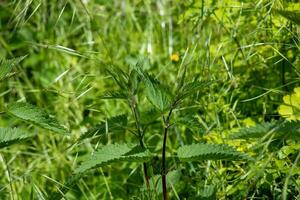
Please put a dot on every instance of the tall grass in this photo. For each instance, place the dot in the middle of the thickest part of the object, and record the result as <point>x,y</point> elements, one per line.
<point>248,45</point>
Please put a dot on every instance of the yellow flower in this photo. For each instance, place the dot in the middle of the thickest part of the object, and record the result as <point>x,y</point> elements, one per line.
<point>175,57</point>
<point>291,107</point>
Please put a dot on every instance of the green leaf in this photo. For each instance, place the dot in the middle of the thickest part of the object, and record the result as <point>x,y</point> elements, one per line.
<point>149,116</point>
<point>199,152</point>
<point>293,16</point>
<point>138,67</point>
<point>191,123</point>
<point>34,115</point>
<point>253,132</point>
<point>114,153</point>
<point>120,77</point>
<point>6,66</point>
<point>288,130</point>
<point>134,81</point>
<point>291,107</point>
<point>281,130</point>
<point>114,124</point>
<point>9,136</point>
<point>157,94</point>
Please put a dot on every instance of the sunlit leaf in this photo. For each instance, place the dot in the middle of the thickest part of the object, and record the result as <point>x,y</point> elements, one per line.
<point>157,94</point>
<point>200,152</point>
<point>6,66</point>
<point>114,153</point>
<point>35,115</point>
<point>9,136</point>
<point>291,107</point>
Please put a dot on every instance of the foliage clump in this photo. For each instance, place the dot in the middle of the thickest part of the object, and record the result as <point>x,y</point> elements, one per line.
<point>291,107</point>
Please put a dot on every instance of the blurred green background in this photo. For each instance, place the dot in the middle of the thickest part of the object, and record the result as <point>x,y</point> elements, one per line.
<point>247,45</point>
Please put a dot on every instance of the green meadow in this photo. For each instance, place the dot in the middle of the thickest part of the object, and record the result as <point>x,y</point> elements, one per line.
<point>166,99</point>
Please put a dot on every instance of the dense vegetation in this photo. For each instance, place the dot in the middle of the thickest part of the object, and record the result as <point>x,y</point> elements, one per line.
<point>131,99</point>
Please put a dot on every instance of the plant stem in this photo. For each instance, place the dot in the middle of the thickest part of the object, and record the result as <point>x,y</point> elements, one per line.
<point>163,171</point>
<point>134,110</point>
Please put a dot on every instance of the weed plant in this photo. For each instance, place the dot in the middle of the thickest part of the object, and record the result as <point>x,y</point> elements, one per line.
<point>149,99</point>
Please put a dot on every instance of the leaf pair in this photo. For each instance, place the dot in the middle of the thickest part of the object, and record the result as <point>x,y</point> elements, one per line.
<point>114,153</point>
<point>161,96</point>
<point>158,94</point>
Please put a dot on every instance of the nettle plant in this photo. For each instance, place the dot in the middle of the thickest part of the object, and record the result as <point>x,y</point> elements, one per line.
<point>155,107</point>
<point>162,114</point>
<point>133,86</point>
